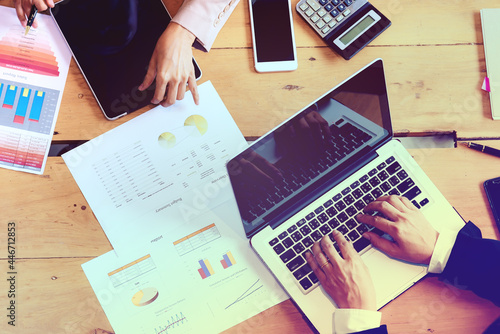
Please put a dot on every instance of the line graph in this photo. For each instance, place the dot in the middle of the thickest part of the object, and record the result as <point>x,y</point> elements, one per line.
<point>175,321</point>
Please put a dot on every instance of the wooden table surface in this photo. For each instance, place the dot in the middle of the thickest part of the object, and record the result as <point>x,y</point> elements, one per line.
<point>434,60</point>
<point>433,55</point>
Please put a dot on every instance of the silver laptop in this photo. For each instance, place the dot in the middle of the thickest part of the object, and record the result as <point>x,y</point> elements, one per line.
<point>314,173</point>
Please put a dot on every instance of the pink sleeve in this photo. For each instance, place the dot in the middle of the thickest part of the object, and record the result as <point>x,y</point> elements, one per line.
<point>204,18</point>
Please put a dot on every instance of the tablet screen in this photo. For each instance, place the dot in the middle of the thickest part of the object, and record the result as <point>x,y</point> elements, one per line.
<point>112,42</point>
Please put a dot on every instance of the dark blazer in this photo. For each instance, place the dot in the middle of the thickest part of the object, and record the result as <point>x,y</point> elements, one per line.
<point>474,264</point>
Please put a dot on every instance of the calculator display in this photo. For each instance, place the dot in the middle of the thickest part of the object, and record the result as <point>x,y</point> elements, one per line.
<point>357,29</point>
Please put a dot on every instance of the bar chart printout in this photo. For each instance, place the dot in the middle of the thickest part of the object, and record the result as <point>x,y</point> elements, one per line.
<point>206,269</point>
<point>33,72</point>
<point>227,260</point>
<point>27,113</point>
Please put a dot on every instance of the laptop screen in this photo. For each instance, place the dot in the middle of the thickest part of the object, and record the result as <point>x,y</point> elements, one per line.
<point>310,152</point>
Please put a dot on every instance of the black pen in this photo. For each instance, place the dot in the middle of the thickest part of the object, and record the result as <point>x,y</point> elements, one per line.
<point>484,149</point>
<point>31,18</point>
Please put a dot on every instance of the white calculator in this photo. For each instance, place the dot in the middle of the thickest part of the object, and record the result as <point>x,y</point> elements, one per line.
<point>346,26</point>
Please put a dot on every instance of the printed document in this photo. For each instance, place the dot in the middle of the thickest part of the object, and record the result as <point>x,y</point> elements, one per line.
<point>33,71</point>
<point>152,174</point>
<point>201,278</point>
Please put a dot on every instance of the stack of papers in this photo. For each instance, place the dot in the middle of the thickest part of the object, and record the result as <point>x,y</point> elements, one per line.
<point>160,190</point>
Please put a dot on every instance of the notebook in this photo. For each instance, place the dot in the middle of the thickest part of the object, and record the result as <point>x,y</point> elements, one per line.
<point>490,21</point>
<point>314,173</point>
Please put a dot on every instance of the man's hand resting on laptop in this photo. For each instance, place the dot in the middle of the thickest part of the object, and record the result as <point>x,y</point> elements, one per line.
<point>414,237</point>
<point>172,66</point>
<point>347,280</point>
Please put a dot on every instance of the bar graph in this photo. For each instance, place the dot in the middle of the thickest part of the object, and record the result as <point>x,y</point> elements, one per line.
<point>22,106</point>
<point>206,269</point>
<point>27,107</point>
<point>10,95</point>
<point>227,260</point>
<point>36,107</point>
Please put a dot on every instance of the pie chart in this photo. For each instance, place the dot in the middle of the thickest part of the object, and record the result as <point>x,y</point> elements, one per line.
<point>145,297</point>
<point>198,125</point>
<point>166,140</point>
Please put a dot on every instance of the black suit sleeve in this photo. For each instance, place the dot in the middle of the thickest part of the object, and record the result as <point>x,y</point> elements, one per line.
<point>379,330</point>
<point>474,264</point>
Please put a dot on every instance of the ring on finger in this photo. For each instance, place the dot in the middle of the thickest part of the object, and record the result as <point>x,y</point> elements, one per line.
<point>324,264</point>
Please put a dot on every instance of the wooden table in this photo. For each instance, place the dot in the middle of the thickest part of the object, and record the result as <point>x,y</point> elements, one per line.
<point>434,64</point>
<point>433,55</point>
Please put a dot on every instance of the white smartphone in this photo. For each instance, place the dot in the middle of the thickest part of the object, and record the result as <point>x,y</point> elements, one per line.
<point>272,34</point>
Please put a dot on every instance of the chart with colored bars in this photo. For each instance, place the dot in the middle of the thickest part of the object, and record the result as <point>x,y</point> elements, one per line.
<point>227,260</point>
<point>207,270</point>
<point>28,53</point>
<point>27,107</point>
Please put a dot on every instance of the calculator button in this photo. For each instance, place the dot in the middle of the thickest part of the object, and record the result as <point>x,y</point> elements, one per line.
<point>341,7</point>
<point>323,2</point>
<point>329,7</point>
<point>303,6</point>
<point>347,12</point>
<point>315,18</point>
<point>320,24</point>
<point>321,12</point>
<point>348,2</point>
<point>334,13</point>
<point>336,2</point>
<point>332,24</point>
<point>309,12</point>
<point>314,5</point>
<point>339,18</point>
<point>327,18</point>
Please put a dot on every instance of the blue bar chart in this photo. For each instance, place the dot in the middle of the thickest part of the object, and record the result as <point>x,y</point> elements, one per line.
<point>22,106</point>
<point>30,108</point>
<point>10,95</point>
<point>27,107</point>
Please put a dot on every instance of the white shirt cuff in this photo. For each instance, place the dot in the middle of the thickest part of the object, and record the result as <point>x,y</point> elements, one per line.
<point>348,320</point>
<point>442,251</point>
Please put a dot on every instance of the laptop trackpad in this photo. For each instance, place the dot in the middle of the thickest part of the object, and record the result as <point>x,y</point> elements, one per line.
<point>391,277</point>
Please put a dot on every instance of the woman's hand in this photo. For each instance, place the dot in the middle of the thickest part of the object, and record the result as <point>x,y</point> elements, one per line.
<point>172,66</point>
<point>23,9</point>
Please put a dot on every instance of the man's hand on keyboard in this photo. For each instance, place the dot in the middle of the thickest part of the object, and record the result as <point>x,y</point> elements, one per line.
<point>347,280</point>
<point>413,236</point>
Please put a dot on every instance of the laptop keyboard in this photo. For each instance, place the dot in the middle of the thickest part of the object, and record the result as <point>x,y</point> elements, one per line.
<point>338,213</point>
<point>346,138</point>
